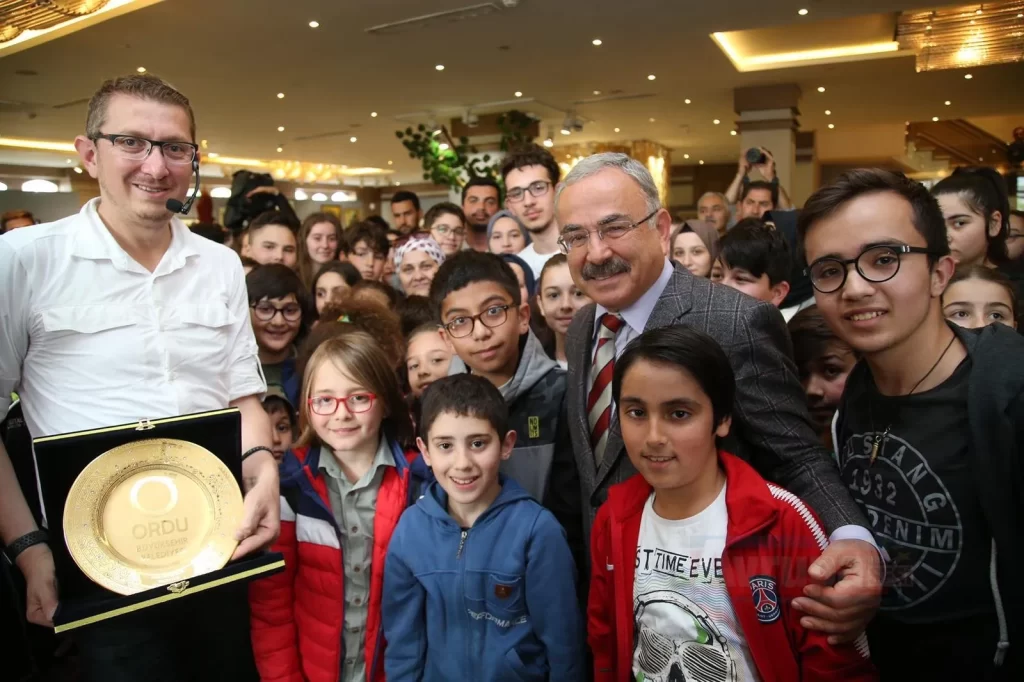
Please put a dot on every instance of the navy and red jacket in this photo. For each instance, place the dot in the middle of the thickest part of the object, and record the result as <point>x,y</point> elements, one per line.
<point>298,616</point>
<point>771,541</point>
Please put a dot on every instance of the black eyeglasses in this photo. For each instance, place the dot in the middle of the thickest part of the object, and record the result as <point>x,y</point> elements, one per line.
<point>265,311</point>
<point>139,148</point>
<point>875,264</point>
<point>494,316</point>
<point>536,189</point>
<point>576,239</point>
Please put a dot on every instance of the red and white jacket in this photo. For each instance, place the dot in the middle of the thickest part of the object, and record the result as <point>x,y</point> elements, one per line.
<point>771,541</point>
<point>298,616</point>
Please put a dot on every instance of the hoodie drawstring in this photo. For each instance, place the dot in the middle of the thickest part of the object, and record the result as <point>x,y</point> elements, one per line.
<point>1004,635</point>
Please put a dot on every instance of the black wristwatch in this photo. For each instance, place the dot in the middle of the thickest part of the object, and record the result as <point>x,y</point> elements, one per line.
<point>36,537</point>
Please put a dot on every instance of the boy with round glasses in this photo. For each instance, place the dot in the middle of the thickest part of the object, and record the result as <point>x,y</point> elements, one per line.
<point>929,431</point>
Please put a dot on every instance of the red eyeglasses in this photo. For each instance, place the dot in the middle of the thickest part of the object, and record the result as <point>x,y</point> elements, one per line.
<point>326,405</point>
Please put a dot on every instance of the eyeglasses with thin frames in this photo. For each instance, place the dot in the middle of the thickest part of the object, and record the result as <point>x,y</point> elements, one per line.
<point>579,238</point>
<point>139,148</point>
<point>877,264</point>
<point>538,188</point>
<point>463,325</point>
<point>326,405</point>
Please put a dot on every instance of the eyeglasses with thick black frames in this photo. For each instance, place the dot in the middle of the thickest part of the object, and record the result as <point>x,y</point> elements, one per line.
<point>877,264</point>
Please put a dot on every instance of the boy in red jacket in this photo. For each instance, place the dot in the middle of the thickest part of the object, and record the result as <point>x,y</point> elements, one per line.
<point>696,559</point>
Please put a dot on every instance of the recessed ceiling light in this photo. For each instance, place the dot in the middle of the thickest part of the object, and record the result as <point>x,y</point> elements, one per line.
<point>651,77</point>
<point>439,67</point>
<point>732,132</point>
<point>280,95</point>
<point>828,112</point>
<point>373,114</point>
<point>391,163</point>
<point>977,11</point>
<point>565,131</point>
<point>1020,16</point>
<point>314,24</point>
<point>596,42</point>
<point>701,162</point>
<point>597,92</point>
<point>716,121</point>
<point>935,119</point>
<point>802,12</point>
<point>280,129</point>
<point>353,139</point>
<point>831,126</point>
<point>686,156</point>
<point>617,130</point>
<point>948,103</point>
<point>650,120</point>
<point>77,169</point>
<point>821,88</point>
<point>141,69</point>
<point>928,27</point>
<point>968,76</point>
<point>518,94</point>
<point>280,149</point>
<point>397,183</point>
<point>686,101</point>
<point>549,143</point>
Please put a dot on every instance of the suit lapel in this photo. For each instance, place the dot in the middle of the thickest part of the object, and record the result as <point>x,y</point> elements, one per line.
<point>577,351</point>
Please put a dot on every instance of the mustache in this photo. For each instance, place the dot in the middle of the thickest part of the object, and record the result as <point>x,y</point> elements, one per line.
<point>612,266</point>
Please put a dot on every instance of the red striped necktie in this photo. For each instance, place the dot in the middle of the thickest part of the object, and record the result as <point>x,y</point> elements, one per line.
<point>599,402</point>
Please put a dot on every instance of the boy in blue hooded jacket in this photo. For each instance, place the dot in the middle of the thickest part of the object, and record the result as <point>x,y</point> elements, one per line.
<point>479,582</point>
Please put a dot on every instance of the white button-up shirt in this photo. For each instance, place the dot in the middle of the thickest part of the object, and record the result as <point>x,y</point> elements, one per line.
<point>89,338</point>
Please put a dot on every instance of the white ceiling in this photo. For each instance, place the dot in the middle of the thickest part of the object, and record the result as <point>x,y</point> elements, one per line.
<point>231,57</point>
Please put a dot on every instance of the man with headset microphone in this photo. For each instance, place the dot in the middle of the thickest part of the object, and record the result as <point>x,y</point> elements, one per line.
<point>119,313</point>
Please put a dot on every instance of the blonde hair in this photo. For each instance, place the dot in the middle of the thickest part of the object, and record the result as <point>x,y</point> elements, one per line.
<point>142,86</point>
<point>358,355</point>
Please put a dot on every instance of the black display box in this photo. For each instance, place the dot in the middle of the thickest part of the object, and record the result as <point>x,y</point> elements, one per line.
<point>59,461</point>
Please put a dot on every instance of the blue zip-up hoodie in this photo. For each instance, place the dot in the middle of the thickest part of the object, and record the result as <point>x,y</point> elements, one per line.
<point>495,602</point>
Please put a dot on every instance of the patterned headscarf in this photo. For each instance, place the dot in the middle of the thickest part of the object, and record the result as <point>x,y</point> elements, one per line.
<point>427,244</point>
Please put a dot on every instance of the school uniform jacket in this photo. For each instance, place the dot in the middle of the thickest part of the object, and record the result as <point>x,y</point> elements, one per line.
<point>772,539</point>
<point>298,616</point>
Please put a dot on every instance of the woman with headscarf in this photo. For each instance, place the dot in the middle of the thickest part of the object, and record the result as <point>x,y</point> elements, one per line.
<point>505,234</point>
<point>694,245</point>
<point>416,263</point>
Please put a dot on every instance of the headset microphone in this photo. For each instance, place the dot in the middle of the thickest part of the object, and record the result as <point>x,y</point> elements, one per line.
<point>175,206</point>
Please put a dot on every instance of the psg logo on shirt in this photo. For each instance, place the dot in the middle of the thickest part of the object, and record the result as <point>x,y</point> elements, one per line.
<point>766,598</point>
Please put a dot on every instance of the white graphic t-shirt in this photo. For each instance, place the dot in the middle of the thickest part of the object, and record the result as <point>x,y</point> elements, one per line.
<point>684,622</point>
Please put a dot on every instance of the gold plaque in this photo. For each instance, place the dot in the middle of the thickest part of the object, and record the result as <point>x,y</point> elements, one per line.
<point>152,513</point>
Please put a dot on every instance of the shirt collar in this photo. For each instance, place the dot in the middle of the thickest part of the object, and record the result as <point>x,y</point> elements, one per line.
<point>384,457</point>
<point>637,314</point>
<point>93,241</point>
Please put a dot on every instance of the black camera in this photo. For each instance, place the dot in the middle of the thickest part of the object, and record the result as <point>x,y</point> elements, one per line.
<point>240,210</point>
<point>755,155</point>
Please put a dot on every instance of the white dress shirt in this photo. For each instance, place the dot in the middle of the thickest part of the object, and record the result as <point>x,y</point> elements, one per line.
<point>636,316</point>
<point>89,338</point>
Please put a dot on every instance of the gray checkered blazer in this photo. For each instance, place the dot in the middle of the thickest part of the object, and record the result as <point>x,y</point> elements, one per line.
<point>771,427</point>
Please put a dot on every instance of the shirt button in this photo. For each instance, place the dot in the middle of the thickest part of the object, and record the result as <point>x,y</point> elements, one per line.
<point>349,661</point>
<point>355,529</point>
<point>357,601</point>
<point>357,569</point>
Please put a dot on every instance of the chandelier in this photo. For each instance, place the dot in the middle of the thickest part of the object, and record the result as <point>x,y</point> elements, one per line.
<point>37,15</point>
<point>964,36</point>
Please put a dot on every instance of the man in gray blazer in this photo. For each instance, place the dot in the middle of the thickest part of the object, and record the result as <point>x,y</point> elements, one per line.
<point>615,233</point>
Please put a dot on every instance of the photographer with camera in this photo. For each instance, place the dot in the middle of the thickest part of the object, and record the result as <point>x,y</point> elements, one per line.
<point>253,194</point>
<point>756,198</point>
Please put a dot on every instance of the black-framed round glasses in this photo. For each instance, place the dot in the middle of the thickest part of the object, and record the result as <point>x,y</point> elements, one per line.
<point>265,311</point>
<point>494,316</point>
<point>875,264</point>
<point>138,148</point>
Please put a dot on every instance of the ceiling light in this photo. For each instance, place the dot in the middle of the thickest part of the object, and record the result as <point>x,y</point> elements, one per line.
<point>716,121</point>
<point>701,162</point>
<point>518,94</point>
<point>340,196</point>
<point>549,143</point>
<point>397,183</point>
<point>221,192</point>
<point>596,42</point>
<point>314,24</point>
<point>37,144</point>
<point>213,155</point>
<point>353,139</point>
<point>686,101</point>
<point>391,163</point>
<point>948,103</point>
<point>3,187</point>
<point>617,129</point>
<point>831,126</point>
<point>300,195</point>
<point>280,95</point>
<point>67,161</point>
<point>439,67</point>
<point>566,131</point>
<point>319,196</point>
<point>977,11</point>
<point>373,114</point>
<point>39,186</point>
<point>443,146</point>
<point>77,169</point>
<point>141,69</point>
<point>651,77</point>
<point>280,149</point>
<point>935,119</point>
<point>802,12</point>
<point>280,129</point>
<point>597,92</point>
<point>821,88</point>
<point>828,112</point>
<point>968,76</point>
<point>650,120</point>
<point>686,156</point>
<point>733,133</point>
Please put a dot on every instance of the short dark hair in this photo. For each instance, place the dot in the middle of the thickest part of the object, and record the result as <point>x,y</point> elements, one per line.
<point>144,86</point>
<point>530,155</point>
<point>272,218</point>
<point>464,395</point>
<point>346,270</point>
<point>761,184</point>
<point>375,238</point>
<point>378,221</point>
<point>480,181</point>
<point>927,216</point>
<point>443,208</point>
<point>469,267</point>
<point>405,195</point>
<point>687,349</point>
<point>415,311</point>
<point>757,248</point>
<point>371,285</point>
<point>983,189</point>
<point>211,231</point>
<point>275,280</point>
<point>811,336</point>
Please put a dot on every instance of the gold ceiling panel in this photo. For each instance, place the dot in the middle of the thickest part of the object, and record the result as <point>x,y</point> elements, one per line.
<point>964,36</point>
